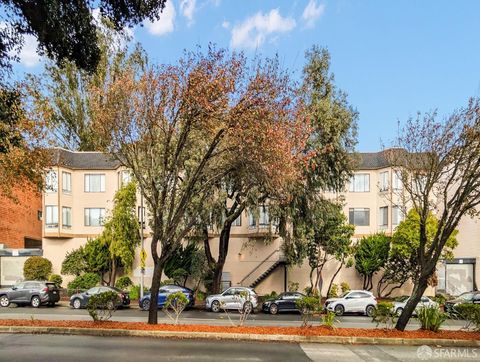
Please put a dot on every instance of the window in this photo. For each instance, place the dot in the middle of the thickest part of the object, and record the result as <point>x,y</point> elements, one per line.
<point>360,182</point>
<point>251,219</point>
<point>95,183</point>
<point>39,215</point>
<point>32,243</point>
<point>263,217</point>
<point>397,215</point>
<point>397,181</point>
<point>66,217</point>
<point>359,216</point>
<point>384,181</point>
<point>66,182</point>
<point>51,181</point>
<point>238,221</point>
<point>94,216</point>
<point>51,216</point>
<point>126,177</point>
<point>383,216</point>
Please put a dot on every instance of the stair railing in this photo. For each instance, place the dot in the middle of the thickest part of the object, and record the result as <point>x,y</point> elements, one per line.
<point>260,264</point>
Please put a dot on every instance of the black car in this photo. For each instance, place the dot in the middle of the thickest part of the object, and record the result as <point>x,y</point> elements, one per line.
<point>468,297</point>
<point>80,300</point>
<point>285,302</point>
<point>31,292</point>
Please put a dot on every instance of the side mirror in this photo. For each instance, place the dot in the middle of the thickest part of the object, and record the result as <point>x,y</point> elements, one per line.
<point>14,288</point>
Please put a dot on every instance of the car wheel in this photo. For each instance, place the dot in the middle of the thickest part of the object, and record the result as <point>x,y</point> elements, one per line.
<point>77,303</point>
<point>146,304</point>
<point>369,310</point>
<point>273,309</point>
<point>339,309</point>
<point>215,306</point>
<point>35,302</point>
<point>4,301</point>
<point>399,311</point>
<point>248,307</point>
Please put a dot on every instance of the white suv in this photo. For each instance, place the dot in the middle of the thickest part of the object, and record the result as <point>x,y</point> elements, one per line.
<point>233,298</point>
<point>353,301</point>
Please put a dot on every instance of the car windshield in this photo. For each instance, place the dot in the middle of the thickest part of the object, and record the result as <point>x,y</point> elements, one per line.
<point>344,294</point>
<point>403,298</point>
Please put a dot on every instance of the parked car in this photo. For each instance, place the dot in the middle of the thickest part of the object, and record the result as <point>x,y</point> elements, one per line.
<point>353,301</point>
<point>80,300</point>
<point>468,297</point>
<point>285,302</point>
<point>163,293</point>
<point>399,305</point>
<point>232,299</point>
<point>31,292</point>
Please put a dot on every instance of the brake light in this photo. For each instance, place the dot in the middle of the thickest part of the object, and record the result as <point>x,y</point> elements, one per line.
<point>45,290</point>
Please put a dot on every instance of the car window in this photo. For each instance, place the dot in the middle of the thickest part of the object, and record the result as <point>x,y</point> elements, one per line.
<point>424,300</point>
<point>354,295</point>
<point>229,291</point>
<point>19,285</point>
<point>476,297</point>
<point>344,294</point>
<point>93,290</point>
<point>30,285</point>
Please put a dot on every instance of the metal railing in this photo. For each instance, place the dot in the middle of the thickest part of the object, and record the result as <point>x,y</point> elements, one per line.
<point>268,262</point>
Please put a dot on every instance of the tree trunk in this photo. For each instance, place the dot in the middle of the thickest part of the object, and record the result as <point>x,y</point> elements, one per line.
<point>333,278</point>
<point>156,279</point>
<point>418,290</point>
<point>114,272</point>
<point>222,255</point>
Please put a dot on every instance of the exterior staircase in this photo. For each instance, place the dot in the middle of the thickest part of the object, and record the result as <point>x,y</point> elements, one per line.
<point>263,269</point>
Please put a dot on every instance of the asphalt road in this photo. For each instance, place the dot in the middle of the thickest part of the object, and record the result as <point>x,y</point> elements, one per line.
<point>50,348</point>
<point>194,316</point>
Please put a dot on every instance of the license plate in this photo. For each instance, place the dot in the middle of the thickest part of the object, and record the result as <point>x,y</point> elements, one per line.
<point>54,292</point>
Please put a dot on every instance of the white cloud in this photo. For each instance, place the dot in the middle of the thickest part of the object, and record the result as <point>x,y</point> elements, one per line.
<point>28,55</point>
<point>253,31</point>
<point>165,24</point>
<point>187,7</point>
<point>312,12</point>
<point>225,24</point>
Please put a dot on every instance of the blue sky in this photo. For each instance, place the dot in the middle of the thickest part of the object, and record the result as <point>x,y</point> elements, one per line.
<point>393,58</point>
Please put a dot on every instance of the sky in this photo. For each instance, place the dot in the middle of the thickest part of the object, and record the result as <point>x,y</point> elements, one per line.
<point>392,58</point>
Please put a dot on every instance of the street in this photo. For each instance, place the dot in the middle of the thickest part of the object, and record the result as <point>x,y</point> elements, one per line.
<point>195,316</point>
<point>21,348</point>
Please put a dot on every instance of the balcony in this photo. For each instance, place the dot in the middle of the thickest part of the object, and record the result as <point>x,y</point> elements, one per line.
<point>262,231</point>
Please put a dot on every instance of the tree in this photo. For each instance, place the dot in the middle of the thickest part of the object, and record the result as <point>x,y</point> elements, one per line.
<point>62,93</point>
<point>74,262</point>
<point>371,254</point>
<point>439,165</point>
<point>401,264</point>
<point>173,126</point>
<point>67,30</point>
<point>179,265</point>
<point>332,139</point>
<point>121,232</point>
<point>97,258</point>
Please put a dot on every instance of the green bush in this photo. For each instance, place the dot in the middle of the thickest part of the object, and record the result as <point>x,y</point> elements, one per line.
<point>440,298</point>
<point>37,268</point>
<point>176,302</point>
<point>308,291</point>
<point>123,282</point>
<point>57,279</point>
<point>166,282</point>
<point>471,313</point>
<point>333,292</point>
<point>101,306</point>
<point>135,291</point>
<point>384,314</point>
<point>200,296</point>
<point>328,319</point>
<point>84,281</point>
<point>308,306</point>
<point>345,287</point>
<point>293,286</point>
<point>431,318</point>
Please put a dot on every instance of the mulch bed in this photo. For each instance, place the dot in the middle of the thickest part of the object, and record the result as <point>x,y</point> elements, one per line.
<point>309,331</point>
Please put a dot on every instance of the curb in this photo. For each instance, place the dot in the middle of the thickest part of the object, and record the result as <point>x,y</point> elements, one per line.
<point>241,336</point>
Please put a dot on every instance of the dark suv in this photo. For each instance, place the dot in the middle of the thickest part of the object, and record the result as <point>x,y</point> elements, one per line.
<point>32,292</point>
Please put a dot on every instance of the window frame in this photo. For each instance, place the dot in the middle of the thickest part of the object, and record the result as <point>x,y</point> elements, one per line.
<point>65,190</point>
<point>102,182</point>
<point>384,183</point>
<point>352,188</point>
<point>64,225</point>
<point>51,183</point>
<point>51,224</point>
<point>383,214</point>
<point>353,209</point>
<point>101,218</point>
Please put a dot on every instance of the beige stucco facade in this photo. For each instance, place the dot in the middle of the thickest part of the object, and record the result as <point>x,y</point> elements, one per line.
<point>249,256</point>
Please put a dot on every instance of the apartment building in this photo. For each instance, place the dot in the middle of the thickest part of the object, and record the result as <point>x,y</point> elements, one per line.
<point>81,187</point>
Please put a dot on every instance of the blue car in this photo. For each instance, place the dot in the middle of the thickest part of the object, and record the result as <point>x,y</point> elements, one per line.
<point>163,293</point>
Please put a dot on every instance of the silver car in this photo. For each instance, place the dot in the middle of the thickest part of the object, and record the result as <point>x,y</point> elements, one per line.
<point>233,298</point>
<point>399,305</point>
<point>354,301</point>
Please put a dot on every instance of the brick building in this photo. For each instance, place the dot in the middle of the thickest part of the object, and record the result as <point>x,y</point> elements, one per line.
<point>20,233</point>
